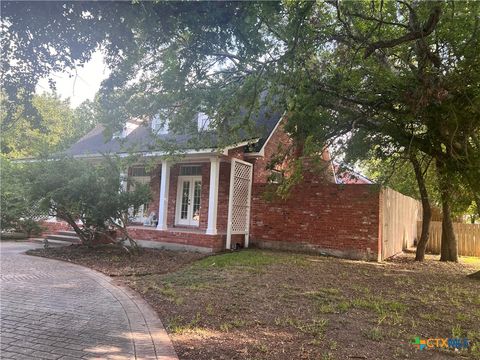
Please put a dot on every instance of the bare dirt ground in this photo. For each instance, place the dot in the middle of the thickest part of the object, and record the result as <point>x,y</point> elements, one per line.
<point>255,304</point>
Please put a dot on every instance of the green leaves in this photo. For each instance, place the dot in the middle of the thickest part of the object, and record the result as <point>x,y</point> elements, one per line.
<point>18,212</point>
<point>77,190</point>
<point>58,127</point>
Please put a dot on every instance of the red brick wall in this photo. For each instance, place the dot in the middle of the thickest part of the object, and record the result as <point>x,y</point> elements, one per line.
<point>223,196</point>
<point>237,153</point>
<point>154,189</point>
<point>279,139</point>
<point>341,220</point>
<point>204,196</point>
<point>50,227</point>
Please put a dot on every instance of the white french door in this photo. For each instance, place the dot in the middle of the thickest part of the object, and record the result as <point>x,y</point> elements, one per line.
<point>188,200</point>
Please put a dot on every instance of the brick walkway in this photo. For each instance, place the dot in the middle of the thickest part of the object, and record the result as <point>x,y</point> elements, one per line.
<point>55,310</point>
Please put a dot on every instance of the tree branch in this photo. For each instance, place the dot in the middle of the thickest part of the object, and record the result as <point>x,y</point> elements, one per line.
<point>427,29</point>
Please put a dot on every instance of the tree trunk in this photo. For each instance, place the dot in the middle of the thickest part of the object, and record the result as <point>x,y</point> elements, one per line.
<point>426,209</point>
<point>70,221</point>
<point>449,250</point>
<point>449,247</point>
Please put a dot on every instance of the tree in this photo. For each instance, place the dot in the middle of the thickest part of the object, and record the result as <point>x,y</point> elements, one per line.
<point>90,198</point>
<point>413,174</point>
<point>85,118</point>
<point>40,38</point>
<point>58,127</point>
<point>400,69</point>
<point>403,169</point>
<point>17,213</point>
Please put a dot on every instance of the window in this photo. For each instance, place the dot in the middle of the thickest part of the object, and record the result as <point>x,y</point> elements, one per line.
<point>139,175</point>
<point>159,125</point>
<point>203,121</point>
<point>191,170</point>
<point>139,171</point>
<point>127,129</point>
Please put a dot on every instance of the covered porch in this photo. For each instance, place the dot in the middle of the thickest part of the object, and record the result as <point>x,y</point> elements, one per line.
<point>190,207</point>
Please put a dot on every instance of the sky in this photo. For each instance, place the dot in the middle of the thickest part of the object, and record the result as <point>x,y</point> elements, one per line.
<point>85,86</point>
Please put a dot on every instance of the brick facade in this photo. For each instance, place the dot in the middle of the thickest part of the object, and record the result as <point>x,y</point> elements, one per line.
<point>279,140</point>
<point>49,227</point>
<point>341,220</point>
<point>223,196</point>
<point>155,189</point>
<point>320,216</point>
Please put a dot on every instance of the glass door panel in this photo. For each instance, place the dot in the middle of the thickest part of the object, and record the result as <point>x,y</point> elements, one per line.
<point>185,201</point>
<point>197,190</point>
<point>188,200</point>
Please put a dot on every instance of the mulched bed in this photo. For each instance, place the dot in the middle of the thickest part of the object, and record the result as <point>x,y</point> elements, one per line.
<point>115,261</point>
<point>256,304</point>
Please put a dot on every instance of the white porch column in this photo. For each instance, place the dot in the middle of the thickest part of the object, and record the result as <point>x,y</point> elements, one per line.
<point>123,180</point>
<point>213,196</point>
<point>163,200</point>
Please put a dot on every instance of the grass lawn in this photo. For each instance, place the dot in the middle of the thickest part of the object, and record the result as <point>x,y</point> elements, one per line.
<point>257,304</point>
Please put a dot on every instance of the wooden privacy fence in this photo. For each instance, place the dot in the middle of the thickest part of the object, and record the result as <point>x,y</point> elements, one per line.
<point>399,218</point>
<point>468,238</point>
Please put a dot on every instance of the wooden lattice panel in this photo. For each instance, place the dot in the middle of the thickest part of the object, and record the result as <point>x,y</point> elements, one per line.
<point>240,192</point>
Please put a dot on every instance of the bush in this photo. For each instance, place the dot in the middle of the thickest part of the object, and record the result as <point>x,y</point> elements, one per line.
<point>18,212</point>
<point>73,190</point>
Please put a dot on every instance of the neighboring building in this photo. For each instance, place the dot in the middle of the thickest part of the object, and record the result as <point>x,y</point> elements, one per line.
<point>212,199</point>
<point>346,175</point>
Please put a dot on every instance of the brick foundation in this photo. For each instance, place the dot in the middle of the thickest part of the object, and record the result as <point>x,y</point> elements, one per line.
<point>214,242</point>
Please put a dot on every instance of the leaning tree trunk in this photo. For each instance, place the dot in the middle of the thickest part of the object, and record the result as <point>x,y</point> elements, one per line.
<point>84,239</point>
<point>426,209</point>
<point>449,247</point>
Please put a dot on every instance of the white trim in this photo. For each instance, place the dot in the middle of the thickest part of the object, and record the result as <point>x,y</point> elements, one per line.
<point>246,232</point>
<point>228,243</point>
<point>206,151</point>
<point>335,180</point>
<point>147,154</point>
<point>242,162</point>
<point>253,155</point>
<point>213,196</point>
<point>163,197</point>
<point>203,152</point>
<point>236,145</point>
<point>249,203</point>
<point>355,173</point>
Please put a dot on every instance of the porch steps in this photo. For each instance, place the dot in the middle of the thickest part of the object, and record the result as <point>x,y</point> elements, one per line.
<point>64,237</point>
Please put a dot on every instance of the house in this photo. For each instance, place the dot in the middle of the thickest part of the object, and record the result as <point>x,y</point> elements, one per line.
<point>212,198</point>
<point>346,175</point>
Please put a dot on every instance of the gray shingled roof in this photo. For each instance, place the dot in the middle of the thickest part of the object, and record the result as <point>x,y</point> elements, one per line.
<point>142,139</point>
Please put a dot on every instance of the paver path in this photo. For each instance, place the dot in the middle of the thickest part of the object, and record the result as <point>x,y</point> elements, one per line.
<point>55,310</point>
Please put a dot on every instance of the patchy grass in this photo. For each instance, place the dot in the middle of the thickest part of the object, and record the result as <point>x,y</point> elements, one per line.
<point>255,304</point>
